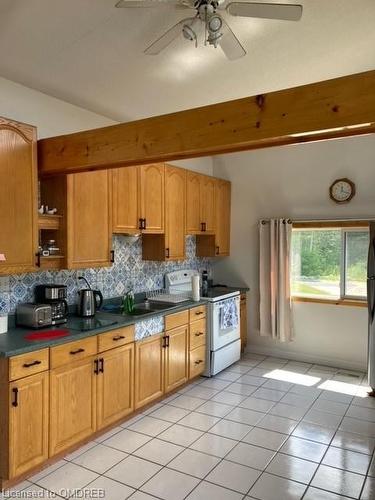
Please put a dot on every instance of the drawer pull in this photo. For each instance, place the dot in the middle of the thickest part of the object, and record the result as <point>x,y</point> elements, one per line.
<point>198,313</point>
<point>118,337</point>
<point>96,367</point>
<point>101,365</point>
<point>15,400</point>
<point>199,361</point>
<point>77,351</point>
<point>33,363</point>
<point>198,334</point>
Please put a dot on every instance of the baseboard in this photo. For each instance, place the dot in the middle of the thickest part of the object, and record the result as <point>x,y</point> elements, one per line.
<point>305,357</point>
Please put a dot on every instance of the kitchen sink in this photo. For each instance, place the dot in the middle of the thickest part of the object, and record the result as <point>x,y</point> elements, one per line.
<point>139,309</point>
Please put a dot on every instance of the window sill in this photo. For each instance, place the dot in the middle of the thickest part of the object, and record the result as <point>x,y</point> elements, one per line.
<point>332,302</point>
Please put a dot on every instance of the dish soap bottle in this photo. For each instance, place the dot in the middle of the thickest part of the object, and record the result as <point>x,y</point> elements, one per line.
<point>128,303</point>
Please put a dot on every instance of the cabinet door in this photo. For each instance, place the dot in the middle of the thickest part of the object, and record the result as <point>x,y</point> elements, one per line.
<point>72,404</point>
<point>222,202</point>
<point>207,203</point>
<point>28,423</point>
<point>243,322</point>
<point>151,191</point>
<point>125,209</point>
<point>89,219</point>
<point>175,203</point>
<point>193,212</point>
<point>115,385</point>
<point>176,358</point>
<point>18,197</point>
<point>149,370</point>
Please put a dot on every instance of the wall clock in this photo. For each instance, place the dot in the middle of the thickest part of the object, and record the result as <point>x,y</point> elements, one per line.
<point>342,190</point>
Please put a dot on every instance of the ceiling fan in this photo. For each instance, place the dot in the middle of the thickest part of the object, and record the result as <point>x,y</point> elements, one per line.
<point>208,14</point>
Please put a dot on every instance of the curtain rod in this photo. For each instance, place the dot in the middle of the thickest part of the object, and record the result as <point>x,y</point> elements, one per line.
<point>347,219</point>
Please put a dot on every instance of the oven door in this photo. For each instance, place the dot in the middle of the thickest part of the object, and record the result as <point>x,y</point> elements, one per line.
<point>221,337</point>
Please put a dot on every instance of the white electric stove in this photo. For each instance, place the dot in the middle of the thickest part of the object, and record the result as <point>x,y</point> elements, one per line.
<point>223,344</point>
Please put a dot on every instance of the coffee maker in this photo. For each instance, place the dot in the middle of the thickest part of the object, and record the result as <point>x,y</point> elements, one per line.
<point>55,296</point>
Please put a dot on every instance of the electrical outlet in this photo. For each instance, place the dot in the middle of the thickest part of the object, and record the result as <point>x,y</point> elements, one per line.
<point>4,284</point>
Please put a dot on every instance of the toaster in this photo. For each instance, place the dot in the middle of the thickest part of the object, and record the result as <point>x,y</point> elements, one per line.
<point>34,315</point>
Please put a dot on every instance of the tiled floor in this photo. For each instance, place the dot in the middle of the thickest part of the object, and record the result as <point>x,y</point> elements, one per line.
<point>265,429</point>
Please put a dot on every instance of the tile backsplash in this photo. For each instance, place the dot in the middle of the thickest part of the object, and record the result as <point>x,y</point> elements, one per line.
<point>128,271</point>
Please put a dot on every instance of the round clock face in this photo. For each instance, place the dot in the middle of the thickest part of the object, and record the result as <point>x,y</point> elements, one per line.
<point>342,190</point>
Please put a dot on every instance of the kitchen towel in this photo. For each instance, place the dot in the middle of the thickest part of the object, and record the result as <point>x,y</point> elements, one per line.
<point>195,287</point>
<point>228,314</point>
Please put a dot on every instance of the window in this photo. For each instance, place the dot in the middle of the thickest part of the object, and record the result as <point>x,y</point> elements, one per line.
<point>329,263</point>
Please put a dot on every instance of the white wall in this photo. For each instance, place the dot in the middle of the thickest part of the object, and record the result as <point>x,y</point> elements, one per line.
<point>293,181</point>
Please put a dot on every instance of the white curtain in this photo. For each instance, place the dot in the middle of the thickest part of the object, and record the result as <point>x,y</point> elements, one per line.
<point>275,298</point>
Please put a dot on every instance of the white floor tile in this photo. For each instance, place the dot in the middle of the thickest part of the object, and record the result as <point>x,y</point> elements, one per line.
<point>358,426</point>
<point>240,369</point>
<point>287,411</point>
<point>277,424</point>
<point>178,434</point>
<point>242,389</point>
<point>47,470</point>
<point>297,400</point>
<point>252,380</point>
<point>303,448</point>
<point>214,409</point>
<point>133,471</point>
<point>338,481</point>
<point>139,495</point>
<point>127,441</point>
<point>252,456</point>
<point>371,471</point>
<point>66,479</point>
<point>368,492</point>
<point>170,413</point>
<point>214,445</point>
<point>82,449</point>
<point>266,439</point>
<point>205,491</point>
<point>215,383</point>
<point>227,376</point>
<point>315,494</point>
<point>292,468</point>
<point>346,459</point>
<point>108,434</point>
<point>186,402</point>
<point>338,397</point>
<point>233,476</point>
<point>314,432</point>
<point>330,406</point>
<point>201,392</point>
<point>229,429</point>
<point>367,402</point>
<point>170,485</point>
<point>278,385</point>
<point>245,416</point>
<point>100,458</point>
<point>354,442</point>
<point>261,405</point>
<point>150,426</point>
<point>32,491</point>
<point>199,421</point>
<point>194,463</point>
<point>228,398</point>
<point>269,394</point>
<point>112,489</point>
<point>269,487</point>
<point>361,412</point>
<point>323,418</point>
<point>159,451</point>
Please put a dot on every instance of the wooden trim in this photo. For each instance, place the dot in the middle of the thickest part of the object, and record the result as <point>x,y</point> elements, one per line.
<point>331,224</point>
<point>325,110</point>
<point>337,302</point>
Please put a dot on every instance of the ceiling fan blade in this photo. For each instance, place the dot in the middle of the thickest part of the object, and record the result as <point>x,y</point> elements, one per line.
<point>144,3</point>
<point>230,44</point>
<point>168,37</point>
<point>284,12</point>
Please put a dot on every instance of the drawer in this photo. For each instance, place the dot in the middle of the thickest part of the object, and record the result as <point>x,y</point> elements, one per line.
<point>197,336</point>
<point>197,361</point>
<point>197,313</point>
<point>177,319</point>
<point>28,364</point>
<point>115,338</point>
<point>73,351</point>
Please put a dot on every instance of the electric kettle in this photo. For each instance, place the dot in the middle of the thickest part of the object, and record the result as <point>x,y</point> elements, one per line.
<point>89,300</point>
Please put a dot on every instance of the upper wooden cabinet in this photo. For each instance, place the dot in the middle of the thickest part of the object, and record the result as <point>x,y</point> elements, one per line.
<point>218,244</point>
<point>200,204</point>
<point>151,198</point>
<point>18,197</point>
<point>125,204</point>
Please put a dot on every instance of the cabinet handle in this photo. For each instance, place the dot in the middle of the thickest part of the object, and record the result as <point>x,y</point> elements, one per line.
<point>96,367</point>
<point>112,259</point>
<point>118,337</point>
<point>164,342</point>
<point>167,341</point>
<point>217,250</point>
<point>140,225</point>
<point>198,313</point>
<point>101,367</point>
<point>199,361</point>
<point>204,226</point>
<point>198,334</point>
<point>167,253</point>
<point>15,400</point>
<point>144,223</point>
<point>37,259</point>
<point>33,363</point>
<point>77,351</point>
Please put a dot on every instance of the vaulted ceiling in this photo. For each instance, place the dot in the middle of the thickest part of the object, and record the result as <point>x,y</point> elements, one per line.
<point>90,54</point>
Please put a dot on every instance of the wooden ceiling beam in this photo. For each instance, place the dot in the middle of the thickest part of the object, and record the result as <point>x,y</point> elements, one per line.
<point>324,110</point>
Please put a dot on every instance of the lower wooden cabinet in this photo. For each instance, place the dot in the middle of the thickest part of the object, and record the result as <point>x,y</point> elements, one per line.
<point>243,321</point>
<point>72,404</point>
<point>176,358</point>
<point>149,370</point>
<point>197,361</point>
<point>28,423</point>
<point>115,385</point>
